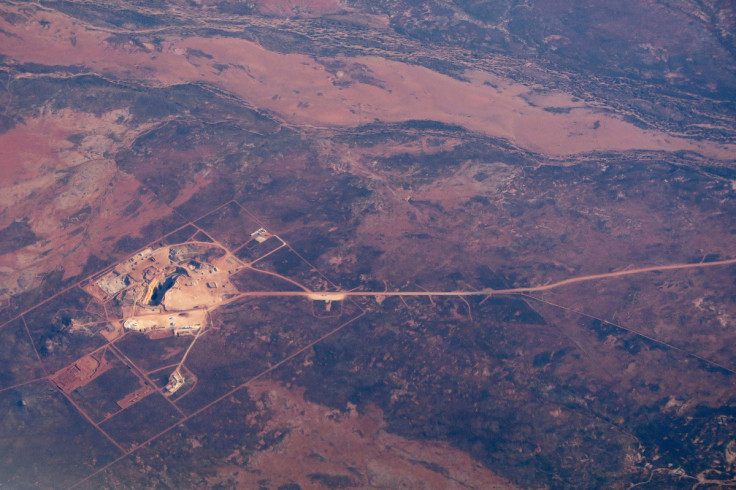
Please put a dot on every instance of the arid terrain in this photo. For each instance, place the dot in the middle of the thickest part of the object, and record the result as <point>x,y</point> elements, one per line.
<point>367,244</point>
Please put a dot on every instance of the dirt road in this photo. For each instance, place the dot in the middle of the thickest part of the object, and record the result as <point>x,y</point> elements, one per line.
<point>340,295</point>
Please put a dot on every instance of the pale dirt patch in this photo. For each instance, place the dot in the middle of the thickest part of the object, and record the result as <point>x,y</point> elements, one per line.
<point>464,184</point>
<point>321,440</point>
<point>25,150</point>
<point>169,320</point>
<point>303,92</point>
<point>36,153</point>
<point>75,200</point>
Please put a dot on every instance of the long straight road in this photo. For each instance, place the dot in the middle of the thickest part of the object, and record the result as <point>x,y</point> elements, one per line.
<point>340,295</point>
<point>628,272</point>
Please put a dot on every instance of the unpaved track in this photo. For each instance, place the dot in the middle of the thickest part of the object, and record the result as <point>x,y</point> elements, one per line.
<point>593,277</point>
<point>340,295</point>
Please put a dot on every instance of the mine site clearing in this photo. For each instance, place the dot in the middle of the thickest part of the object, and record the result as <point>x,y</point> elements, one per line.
<point>168,291</point>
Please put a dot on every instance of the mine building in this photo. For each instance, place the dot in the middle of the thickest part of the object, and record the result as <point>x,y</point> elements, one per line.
<point>176,381</point>
<point>260,235</point>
